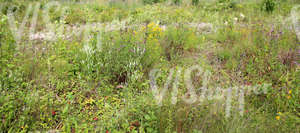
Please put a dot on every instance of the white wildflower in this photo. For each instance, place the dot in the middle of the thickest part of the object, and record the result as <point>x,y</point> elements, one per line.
<point>235,19</point>
<point>242,15</point>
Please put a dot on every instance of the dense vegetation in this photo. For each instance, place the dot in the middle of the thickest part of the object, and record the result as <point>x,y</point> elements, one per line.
<point>99,82</point>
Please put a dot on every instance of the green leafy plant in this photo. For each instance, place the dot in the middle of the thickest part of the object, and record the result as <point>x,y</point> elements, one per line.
<point>268,5</point>
<point>195,2</point>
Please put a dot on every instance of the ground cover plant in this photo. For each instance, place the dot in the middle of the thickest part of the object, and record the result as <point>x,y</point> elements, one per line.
<point>150,66</point>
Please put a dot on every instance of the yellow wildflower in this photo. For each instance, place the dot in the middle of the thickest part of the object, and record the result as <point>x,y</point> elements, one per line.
<point>277,117</point>
<point>144,27</point>
<point>154,29</point>
<point>279,113</point>
<point>288,97</point>
<point>290,91</point>
<point>150,36</point>
<point>90,101</point>
<point>151,24</point>
<point>157,28</point>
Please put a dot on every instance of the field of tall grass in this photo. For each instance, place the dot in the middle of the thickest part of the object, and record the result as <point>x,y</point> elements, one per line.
<point>150,66</point>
